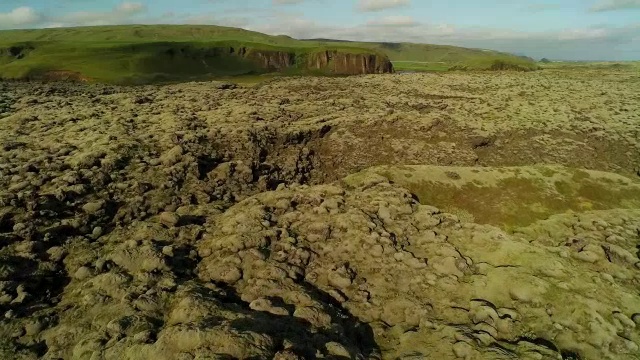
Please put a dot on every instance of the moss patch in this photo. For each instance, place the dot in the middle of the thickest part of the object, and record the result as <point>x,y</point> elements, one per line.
<point>514,196</point>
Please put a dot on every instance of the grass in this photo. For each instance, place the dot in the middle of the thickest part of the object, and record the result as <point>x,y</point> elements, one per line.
<point>143,34</point>
<point>421,66</point>
<point>138,53</point>
<point>140,62</point>
<point>510,197</point>
<point>426,57</point>
<point>592,65</point>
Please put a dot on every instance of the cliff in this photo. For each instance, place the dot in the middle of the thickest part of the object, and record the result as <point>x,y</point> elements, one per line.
<point>350,64</point>
<point>138,54</point>
<point>269,60</point>
<point>165,61</point>
<point>332,62</point>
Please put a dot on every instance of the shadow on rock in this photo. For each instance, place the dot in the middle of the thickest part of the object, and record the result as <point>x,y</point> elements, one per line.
<point>348,337</point>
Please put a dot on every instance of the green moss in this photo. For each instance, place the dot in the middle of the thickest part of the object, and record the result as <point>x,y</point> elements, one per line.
<point>514,197</point>
<point>602,195</point>
<point>579,175</point>
<point>547,171</point>
<point>564,188</point>
<point>420,66</point>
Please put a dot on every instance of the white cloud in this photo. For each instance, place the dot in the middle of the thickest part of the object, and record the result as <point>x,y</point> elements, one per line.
<point>130,7</point>
<point>394,21</point>
<point>612,5</point>
<point>594,43</point>
<point>586,43</point>
<point>25,17</point>
<point>378,5</point>
<point>19,17</point>
<point>122,13</point>
<point>540,7</point>
<point>287,2</point>
<point>581,34</point>
<point>53,25</point>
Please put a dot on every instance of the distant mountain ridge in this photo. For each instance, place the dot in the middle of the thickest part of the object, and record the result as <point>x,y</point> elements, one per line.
<point>148,53</point>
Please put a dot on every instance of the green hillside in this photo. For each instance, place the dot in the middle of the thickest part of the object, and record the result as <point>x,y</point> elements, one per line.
<point>145,33</point>
<point>427,57</point>
<point>148,53</point>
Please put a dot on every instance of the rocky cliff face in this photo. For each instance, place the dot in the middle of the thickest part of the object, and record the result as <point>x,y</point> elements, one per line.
<point>335,62</point>
<point>271,60</point>
<point>266,59</point>
<point>350,64</point>
<point>17,52</point>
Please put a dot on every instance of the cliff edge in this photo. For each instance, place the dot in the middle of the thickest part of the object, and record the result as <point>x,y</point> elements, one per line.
<point>350,64</point>
<point>171,61</point>
<point>338,62</point>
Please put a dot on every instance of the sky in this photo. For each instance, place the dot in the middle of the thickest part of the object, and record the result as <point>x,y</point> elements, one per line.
<point>555,29</point>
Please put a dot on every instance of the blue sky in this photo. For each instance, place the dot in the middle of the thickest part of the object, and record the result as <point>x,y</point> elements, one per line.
<point>558,29</point>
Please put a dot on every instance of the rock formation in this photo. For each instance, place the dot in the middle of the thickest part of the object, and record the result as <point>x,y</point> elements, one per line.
<point>338,62</point>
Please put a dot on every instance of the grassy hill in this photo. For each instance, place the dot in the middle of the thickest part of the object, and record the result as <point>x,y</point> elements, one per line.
<point>427,57</point>
<point>147,53</point>
<point>146,33</point>
<point>593,65</point>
